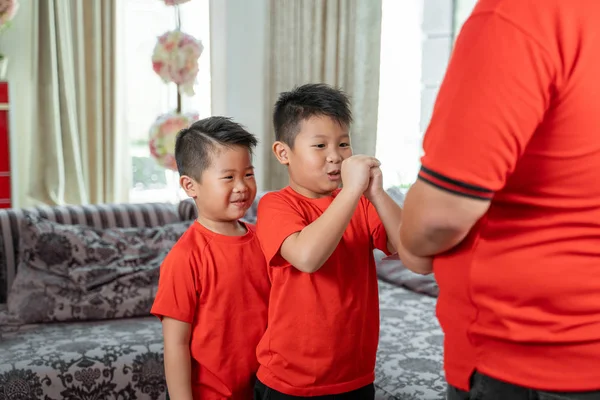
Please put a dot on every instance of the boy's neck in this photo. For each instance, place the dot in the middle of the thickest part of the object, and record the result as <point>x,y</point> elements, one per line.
<point>225,228</point>
<point>308,193</point>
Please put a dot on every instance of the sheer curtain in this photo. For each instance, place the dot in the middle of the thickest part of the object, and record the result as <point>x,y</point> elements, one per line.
<point>335,42</point>
<point>75,155</point>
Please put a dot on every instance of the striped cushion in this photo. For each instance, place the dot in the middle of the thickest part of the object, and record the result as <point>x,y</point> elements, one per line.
<point>187,210</point>
<point>100,216</point>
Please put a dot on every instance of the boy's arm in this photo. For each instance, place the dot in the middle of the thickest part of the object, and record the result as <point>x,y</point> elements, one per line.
<point>390,214</point>
<point>308,249</point>
<point>176,304</point>
<point>178,361</point>
<point>388,210</point>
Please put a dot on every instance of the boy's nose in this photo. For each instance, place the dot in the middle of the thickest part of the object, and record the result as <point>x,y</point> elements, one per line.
<point>240,187</point>
<point>334,157</point>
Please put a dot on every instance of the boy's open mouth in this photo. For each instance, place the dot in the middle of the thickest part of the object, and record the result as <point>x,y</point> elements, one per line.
<point>334,175</point>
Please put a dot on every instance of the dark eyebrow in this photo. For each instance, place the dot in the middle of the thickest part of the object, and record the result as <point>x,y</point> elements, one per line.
<point>224,171</point>
<point>319,136</point>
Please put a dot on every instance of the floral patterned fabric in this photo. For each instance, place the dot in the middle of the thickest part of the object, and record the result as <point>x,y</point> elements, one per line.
<point>122,359</point>
<point>109,360</point>
<point>409,358</point>
<point>76,272</point>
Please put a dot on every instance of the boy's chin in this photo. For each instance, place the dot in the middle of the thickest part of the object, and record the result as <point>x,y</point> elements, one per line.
<point>331,186</point>
<point>324,190</point>
<point>237,214</point>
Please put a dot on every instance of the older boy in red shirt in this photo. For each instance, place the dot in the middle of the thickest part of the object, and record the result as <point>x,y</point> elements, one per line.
<point>323,325</point>
<point>213,288</point>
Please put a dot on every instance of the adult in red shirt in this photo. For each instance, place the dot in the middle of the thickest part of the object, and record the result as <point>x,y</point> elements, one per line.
<point>508,202</point>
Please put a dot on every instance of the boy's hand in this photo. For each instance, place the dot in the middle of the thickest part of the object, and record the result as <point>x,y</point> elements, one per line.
<point>356,173</point>
<point>375,187</point>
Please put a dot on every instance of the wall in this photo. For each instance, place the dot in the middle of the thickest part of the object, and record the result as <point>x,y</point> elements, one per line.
<point>441,20</point>
<point>20,77</point>
<point>437,43</point>
<point>239,62</point>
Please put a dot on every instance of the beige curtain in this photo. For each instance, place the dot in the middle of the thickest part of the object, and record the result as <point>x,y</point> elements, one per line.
<point>335,42</point>
<point>75,157</point>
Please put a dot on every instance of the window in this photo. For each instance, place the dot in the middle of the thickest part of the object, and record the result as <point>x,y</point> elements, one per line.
<point>413,60</point>
<point>143,96</point>
<point>398,126</point>
<point>461,13</point>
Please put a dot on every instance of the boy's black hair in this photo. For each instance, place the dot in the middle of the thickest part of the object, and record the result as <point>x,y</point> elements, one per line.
<point>304,102</point>
<point>195,145</point>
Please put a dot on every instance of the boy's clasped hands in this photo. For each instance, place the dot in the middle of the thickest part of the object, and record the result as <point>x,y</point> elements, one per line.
<point>361,175</point>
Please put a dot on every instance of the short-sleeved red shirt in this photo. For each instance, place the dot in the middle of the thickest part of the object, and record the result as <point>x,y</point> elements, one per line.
<point>219,285</point>
<point>323,328</point>
<point>517,121</point>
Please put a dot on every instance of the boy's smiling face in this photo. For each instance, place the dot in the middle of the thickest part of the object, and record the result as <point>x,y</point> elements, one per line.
<point>226,188</point>
<point>315,161</point>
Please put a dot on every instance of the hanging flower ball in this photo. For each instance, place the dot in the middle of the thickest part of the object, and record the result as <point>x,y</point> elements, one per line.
<point>8,9</point>
<point>175,2</point>
<point>175,59</point>
<point>163,133</point>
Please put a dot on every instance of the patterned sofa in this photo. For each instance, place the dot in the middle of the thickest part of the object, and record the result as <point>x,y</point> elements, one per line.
<point>92,337</point>
<point>92,351</point>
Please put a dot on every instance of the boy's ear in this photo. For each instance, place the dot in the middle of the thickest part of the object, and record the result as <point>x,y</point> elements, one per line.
<point>281,151</point>
<point>188,184</point>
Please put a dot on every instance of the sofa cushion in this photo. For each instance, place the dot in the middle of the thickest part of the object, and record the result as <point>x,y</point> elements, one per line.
<point>100,216</point>
<point>392,270</point>
<point>187,210</point>
<point>76,272</point>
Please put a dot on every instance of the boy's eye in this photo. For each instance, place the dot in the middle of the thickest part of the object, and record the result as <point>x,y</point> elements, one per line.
<point>344,144</point>
<point>319,146</point>
<point>250,175</point>
<point>227,177</point>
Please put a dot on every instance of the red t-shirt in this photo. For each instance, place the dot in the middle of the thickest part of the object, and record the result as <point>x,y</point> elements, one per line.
<point>323,327</point>
<point>517,121</point>
<point>219,285</point>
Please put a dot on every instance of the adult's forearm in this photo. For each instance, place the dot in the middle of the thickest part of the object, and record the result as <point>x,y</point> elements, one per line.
<point>417,264</point>
<point>427,240</point>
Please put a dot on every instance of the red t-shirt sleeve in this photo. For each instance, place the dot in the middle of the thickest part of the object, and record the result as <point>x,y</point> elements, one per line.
<point>276,220</point>
<point>178,287</point>
<point>376,228</point>
<point>494,95</point>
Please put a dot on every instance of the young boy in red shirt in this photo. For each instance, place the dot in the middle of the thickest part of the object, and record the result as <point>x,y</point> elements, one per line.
<point>213,287</point>
<point>323,326</point>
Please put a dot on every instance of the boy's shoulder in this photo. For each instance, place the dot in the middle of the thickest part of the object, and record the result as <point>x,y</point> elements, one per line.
<point>281,193</point>
<point>284,195</point>
<point>191,242</point>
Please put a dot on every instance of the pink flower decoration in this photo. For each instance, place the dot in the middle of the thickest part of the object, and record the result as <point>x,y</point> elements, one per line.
<point>175,2</point>
<point>175,59</point>
<point>8,9</point>
<point>163,134</point>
